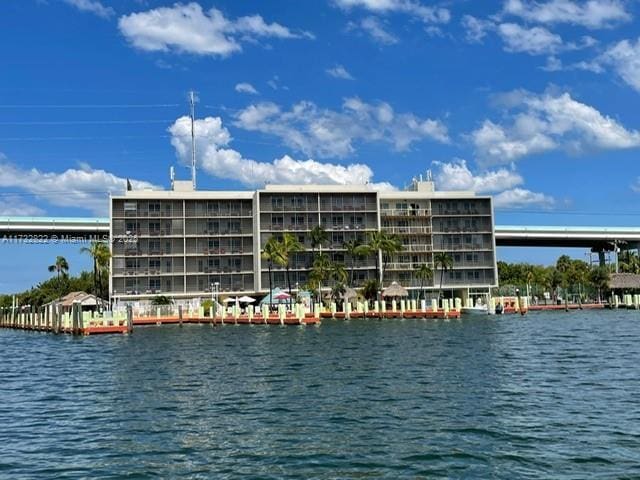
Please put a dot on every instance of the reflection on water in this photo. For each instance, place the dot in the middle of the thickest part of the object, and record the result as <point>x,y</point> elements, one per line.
<point>547,395</point>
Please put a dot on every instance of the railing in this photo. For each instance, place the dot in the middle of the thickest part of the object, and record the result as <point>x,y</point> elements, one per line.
<point>463,246</point>
<point>402,212</point>
<point>417,248</point>
<point>410,229</point>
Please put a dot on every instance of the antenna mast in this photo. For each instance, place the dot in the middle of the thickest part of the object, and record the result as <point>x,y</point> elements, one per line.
<point>192,104</point>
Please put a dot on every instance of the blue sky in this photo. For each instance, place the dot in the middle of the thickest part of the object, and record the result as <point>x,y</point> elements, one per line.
<point>534,102</point>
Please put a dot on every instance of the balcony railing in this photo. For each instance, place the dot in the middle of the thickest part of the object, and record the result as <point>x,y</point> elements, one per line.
<point>407,230</point>
<point>405,212</point>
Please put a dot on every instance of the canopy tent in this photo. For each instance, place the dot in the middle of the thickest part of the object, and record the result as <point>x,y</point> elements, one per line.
<point>275,293</point>
<point>246,299</point>
<point>395,290</point>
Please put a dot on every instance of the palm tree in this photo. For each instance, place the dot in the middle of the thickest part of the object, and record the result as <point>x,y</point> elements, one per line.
<point>339,273</point>
<point>289,245</point>
<point>444,262</point>
<point>424,273</point>
<point>373,246</point>
<point>563,265</point>
<point>354,250</point>
<point>100,254</point>
<point>370,289</point>
<point>391,245</point>
<point>320,272</point>
<point>272,254</point>
<point>318,235</point>
<point>61,267</point>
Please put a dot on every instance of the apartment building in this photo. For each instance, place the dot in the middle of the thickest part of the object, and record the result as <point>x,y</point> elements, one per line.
<point>182,242</point>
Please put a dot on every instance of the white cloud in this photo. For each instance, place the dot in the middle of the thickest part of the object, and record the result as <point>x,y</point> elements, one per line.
<point>83,187</point>
<point>636,185</point>
<point>217,159</point>
<point>476,28</point>
<point>328,133</point>
<point>14,205</point>
<point>624,57</point>
<point>534,40</point>
<point>188,29</point>
<point>338,71</point>
<point>245,87</point>
<point>456,175</point>
<point>92,6</point>
<point>430,14</point>
<point>539,123</point>
<point>503,183</point>
<point>590,13</point>
<point>519,198</point>
<point>374,29</point>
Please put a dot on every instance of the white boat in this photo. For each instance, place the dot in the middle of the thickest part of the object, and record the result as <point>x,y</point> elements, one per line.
<point>477,310</point>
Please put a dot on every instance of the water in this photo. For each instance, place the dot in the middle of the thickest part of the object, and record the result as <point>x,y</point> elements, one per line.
<point>551,395</point>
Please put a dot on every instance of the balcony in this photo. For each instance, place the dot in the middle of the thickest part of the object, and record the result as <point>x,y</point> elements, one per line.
<point>408,230</point>
<point>405,212</point>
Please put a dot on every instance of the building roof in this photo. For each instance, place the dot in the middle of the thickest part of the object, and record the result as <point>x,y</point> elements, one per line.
<point>395,290</point>
<point>624,281</point>
<point>86,299</point>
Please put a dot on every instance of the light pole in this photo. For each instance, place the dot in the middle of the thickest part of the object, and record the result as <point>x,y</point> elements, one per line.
<point>214,298</point>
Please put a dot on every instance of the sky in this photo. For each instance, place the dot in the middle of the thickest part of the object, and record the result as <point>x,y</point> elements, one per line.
<point>532,101</point>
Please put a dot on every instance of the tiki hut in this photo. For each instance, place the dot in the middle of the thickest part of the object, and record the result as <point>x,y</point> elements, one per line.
<point>395,290</point>
<point>624,281</point>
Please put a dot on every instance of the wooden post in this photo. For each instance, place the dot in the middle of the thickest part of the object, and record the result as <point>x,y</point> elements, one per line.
<point>129,319</point>
<point>180,314</point>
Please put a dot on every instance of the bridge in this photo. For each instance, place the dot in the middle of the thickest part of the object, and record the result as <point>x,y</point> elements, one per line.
<point>598,239</point>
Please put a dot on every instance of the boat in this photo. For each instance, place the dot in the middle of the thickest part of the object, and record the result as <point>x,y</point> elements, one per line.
<point>477,310</point>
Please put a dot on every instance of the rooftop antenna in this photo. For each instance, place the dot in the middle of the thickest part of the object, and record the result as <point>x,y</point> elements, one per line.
<point>192,105</point>
<point>172,175</point>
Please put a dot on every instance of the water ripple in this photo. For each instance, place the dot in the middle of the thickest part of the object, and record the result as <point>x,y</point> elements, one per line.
<point>547,395</point>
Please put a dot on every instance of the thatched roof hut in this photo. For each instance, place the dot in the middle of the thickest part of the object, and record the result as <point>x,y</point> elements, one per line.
<point>395,290</point>
<point>624,281</point>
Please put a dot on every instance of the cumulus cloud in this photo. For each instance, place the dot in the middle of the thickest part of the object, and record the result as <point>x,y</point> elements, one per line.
<point>520,197</point>
<point>624,57</point>
<point>245,87</point>
<point>14,205</point>
<point>428,14</point>
<point>338,71</point>
<point>540,123</point>
<point>92,6</point>
<point>456,175</point>
<point>217,159</point>
<point>534,40</point>
<point>373,28</point>
<point>503,183</point>
<point>328,133</point>
<point>82,187</point>
<point>188,29</point>
<point>476,28</point>
<point>591,13</point>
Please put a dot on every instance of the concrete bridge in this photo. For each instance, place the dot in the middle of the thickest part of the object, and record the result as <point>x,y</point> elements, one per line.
<point>599,239</point>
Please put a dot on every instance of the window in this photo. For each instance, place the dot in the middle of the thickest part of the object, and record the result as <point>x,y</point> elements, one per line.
<point>130,207</point>
<point>154,283</point>
<point>154,208</point>
<point>154,264</point>
<point>276,203</point>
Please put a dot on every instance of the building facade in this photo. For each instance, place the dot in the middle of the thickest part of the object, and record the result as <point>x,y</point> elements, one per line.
<point>180,242</point>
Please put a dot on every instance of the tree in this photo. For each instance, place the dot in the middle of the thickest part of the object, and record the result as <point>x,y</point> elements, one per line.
<point>390,246</point>
<point>161,300</point>
<point>354,250</point>
<point>563,265</point>
<point>272,253</point>
<point>424,273</point>
<point>318,235</point>
<point>444,262</point>
<point>289,246</point>
<point>337,293</point>
<point>100,254</point>
<point>61,267</point>
<point>599,277</point>
<point>339,273</point>
<point>320,272</point>
<point>370,289</point>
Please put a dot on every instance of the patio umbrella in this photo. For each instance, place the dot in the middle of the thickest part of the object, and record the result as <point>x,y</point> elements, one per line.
<point>395,290</point>
<point>246,299</point>
<point>230,299</point>
<point>282,296</point>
